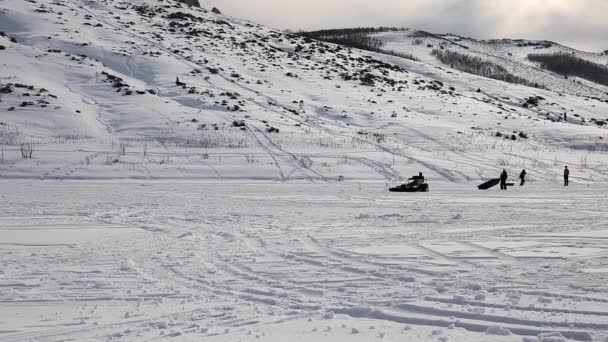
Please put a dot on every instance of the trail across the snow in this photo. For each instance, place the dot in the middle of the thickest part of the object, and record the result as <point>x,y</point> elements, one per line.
<point>141,260</point>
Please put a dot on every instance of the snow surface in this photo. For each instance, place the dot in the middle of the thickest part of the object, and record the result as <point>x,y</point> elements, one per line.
<point>145,213</point>
<point>140,260</point>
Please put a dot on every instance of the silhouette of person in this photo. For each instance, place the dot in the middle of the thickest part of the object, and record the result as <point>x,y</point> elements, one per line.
<point>418,179</point>
<point>522,176</point>
<point>503,180</point>
<point>566,176</point>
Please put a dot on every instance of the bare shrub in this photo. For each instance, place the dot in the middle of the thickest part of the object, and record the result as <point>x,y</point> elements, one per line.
<point>27,150</point>
<point>10,135</point>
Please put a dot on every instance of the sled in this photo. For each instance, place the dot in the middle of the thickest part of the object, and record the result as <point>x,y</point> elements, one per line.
<point>489,184</point>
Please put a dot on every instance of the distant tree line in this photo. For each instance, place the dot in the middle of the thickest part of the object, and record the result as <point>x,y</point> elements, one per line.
<point>570,65</point>
<point>347,31</point>
<point>358,38</point>
<point>477,66</point>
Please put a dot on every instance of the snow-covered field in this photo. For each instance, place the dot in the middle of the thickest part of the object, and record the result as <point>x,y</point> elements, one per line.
<point>199,177</point>
<point>131,260</point>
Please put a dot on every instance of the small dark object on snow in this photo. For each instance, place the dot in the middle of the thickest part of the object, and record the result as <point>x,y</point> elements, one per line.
<point>215,10</point>
<point>178,82</point>
<point>417,184</point>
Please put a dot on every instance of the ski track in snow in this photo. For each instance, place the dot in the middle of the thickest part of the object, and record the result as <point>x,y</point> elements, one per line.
<point>194,228</point>
<point>242,261</point>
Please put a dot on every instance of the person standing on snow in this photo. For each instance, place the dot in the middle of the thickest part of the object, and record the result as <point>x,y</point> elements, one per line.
<point>522,176</point>
<point>503,180</point>
<point>566,175</point>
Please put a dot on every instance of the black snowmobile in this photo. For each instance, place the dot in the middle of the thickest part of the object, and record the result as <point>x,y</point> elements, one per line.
<point>417,184</point>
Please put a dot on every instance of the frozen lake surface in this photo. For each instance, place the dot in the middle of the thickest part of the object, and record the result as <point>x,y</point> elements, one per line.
<point>143,260</point>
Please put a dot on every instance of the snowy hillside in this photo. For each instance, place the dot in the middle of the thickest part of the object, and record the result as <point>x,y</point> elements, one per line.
<point>508,53</point>
<point>155,90</point>
<point>167,173</point>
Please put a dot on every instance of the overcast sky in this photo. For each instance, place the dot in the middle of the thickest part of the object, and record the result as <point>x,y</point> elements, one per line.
<point>581,24</point>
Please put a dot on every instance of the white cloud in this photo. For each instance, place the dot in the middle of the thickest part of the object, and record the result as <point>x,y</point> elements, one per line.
<point>579,23</point>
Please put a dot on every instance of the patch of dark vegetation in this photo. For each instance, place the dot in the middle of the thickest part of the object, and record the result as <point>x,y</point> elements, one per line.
<point>145,11</point>
<point>6,89</point>
<point>320,34</point>
<point>536,45</point>
<point>183,16</point>
<point>480,67</point>
<point>117,82</point>
<point>570,65</point>
<point>238,124</point>
<point>533,101</point>
<point>357,38</point>
<point>512,136</point>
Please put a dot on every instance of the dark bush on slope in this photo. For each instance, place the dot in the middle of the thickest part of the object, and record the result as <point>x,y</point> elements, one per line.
<point>480,67</point>
<point>569,65</point>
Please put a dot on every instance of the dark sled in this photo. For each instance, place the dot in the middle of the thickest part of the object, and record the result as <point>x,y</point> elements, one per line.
<point>411,187</point>
<point>489,184</point>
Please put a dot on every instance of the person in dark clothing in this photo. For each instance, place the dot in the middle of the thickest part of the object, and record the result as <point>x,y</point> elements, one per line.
<point>522,176</point>
<point>418,179</point>
<point>566,176</point>
<point>503,180</point>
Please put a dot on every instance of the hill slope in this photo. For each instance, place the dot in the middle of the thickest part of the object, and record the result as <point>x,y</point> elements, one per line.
<point>157,89</point>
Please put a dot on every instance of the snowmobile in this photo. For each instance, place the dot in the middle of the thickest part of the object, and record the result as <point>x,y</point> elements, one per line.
<point>417,184</point>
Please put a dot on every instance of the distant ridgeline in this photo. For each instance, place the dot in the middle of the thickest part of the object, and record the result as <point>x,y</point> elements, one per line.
<point>194,3</point>
<point>569,65</point>
<point>357,38</point>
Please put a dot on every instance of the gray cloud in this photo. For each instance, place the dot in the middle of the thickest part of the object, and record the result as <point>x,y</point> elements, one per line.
<point>577,23</point>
